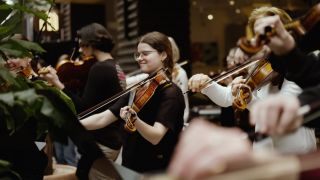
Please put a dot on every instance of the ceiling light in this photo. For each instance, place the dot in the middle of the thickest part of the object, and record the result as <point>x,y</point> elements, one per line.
<point>210,17</point>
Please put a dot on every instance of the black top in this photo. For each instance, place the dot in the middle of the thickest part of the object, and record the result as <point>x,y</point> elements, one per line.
<point>302,67</point>
<point>311,96</point>
<point>105,79</point>
<point>21,151</point>
<point>298,65</point>
<point>166,106</point>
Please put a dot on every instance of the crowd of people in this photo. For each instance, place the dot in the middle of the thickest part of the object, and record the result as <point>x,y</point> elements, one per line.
<point>147,123</point>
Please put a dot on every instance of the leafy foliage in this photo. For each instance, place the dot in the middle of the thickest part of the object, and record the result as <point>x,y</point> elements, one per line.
<point>9,26</point>
<point>6,173</point>
<point>22,100</point>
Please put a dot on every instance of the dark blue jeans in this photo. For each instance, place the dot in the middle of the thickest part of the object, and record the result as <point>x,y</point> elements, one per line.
<point>65,154</point>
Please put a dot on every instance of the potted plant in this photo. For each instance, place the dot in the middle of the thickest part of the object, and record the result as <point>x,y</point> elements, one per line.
<point>23,101</point>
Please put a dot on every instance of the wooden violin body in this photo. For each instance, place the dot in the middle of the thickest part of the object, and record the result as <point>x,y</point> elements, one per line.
<point>143,95</point>
<point>74,74</point>
<point>262,74</point>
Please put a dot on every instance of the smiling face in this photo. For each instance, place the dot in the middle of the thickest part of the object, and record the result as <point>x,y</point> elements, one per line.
<point>149,58</point>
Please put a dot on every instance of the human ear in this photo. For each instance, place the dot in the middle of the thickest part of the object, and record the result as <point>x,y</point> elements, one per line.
<point>163,56</point>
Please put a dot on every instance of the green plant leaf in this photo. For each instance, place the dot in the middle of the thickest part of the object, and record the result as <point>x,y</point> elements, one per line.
<point>6,116</point>
<point>12,48</point>
<point>6,30</point>
<point>31,46</point>
<point>24,9</point>
<point>5,169</point>
<point>12,22</point>
<point>8,82</point>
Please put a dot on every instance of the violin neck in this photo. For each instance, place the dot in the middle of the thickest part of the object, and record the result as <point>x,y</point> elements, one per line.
<point>296,26</point>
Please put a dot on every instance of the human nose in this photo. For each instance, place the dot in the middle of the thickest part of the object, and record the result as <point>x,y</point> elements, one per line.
<point>137,56</point>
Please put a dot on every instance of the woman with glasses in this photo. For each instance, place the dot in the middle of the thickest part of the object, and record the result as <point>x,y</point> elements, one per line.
<point>159,122</point>
<point>105,79</point>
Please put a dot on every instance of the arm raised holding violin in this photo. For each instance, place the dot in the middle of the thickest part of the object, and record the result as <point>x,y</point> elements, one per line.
<point>289,56</point>
<point>50,75</point>
<point>299,65</point>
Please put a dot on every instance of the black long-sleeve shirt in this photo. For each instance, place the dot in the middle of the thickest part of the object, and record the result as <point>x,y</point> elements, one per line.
<point>105,79</point>
<point>303,67</point>
<point>299,67</point>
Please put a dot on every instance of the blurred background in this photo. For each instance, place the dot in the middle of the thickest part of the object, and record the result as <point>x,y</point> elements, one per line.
<point>205,30</point>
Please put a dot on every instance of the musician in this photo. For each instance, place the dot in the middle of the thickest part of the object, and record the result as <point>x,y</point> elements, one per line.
<point>19,148</point>
<point>291,57</point>
<point>179,76</point>
<point>105,78</point>
<point>160,120</point>
<point>223,96</point>
<point>299,67</point>
<point>205,149</point>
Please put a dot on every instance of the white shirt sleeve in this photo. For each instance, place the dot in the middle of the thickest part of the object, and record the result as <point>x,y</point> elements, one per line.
<point>287,88</point>
<point>135,79</point>
<point>219,94</point>
<point>290,88</point>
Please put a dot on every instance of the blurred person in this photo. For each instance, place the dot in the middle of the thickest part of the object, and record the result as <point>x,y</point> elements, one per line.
<point>224,96</point>
<point>20,148</point>
<point>205,149</point>
<point>105,79</point>
<point>179,77</point>
<point>300,67</point>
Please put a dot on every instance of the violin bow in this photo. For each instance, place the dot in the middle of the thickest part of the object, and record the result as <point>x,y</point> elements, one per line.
<point>118,95</point>
<point>231,72</point>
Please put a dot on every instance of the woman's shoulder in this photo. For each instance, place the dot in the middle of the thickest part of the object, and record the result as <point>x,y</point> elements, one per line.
<point>103,67</point>
<point>104,64</point>
<point>170,89</point>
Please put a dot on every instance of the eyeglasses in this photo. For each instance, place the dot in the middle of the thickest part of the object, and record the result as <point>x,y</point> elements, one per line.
<point>136,55</point>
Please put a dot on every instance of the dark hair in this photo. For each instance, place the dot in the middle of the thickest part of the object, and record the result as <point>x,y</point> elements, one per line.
<point>161,43</point>
<point>97,36</point>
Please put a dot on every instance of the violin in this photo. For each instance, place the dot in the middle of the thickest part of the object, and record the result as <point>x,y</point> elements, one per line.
<point>300,27</point>
<point>142,96</point>
<point>262,74</point>
<point>20,66</point>
<point>74,74</point>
